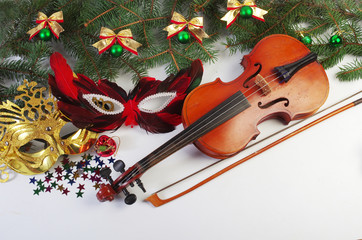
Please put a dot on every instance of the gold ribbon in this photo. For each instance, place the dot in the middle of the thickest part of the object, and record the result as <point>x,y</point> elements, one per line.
<point>124,38</point>
<point>179,23</point>
<point>53,23</point>
<point>234,7</point>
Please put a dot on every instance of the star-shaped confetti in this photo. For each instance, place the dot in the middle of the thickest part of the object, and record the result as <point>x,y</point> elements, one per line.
<point>76,175</point>
<point>32,180</point>
<point>80,187</point>
<point>85,176</point>
<point>48,189</point>
<point>65,191</point>
<point>97,159</point>
<point>47,180</point>
<point>39,182</point>
<point>54,184</point>
<point>49,175</point>
<point>66,176</point>
<point>60,187</point>
<point>58,170</point>
<point>71,182</point>
<point>42,188</point>
<point>101,163</point>
<point>65,161</point>
<point>80,194</point>
<point>59,178</point>
<point>111,160</point>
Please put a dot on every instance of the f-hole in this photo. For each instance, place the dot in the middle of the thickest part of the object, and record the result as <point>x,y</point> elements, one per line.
<point>253,75</point>
<point>269,104</point>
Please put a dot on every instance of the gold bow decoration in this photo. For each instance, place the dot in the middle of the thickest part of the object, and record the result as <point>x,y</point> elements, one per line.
<point>124,38</point>
<point>52,21</point>
<point>234,7</point>
<point>179,23</point>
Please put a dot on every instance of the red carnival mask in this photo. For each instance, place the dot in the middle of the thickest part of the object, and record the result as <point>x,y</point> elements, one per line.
<point>154,105</point>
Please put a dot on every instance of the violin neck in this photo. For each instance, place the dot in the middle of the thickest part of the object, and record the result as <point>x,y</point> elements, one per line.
<point>217,116</point>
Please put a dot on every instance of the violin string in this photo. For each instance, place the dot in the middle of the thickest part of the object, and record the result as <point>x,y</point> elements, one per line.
<point>149,161</point>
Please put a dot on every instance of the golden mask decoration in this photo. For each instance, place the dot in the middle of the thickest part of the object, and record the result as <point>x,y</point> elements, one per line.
<point>30,137</point>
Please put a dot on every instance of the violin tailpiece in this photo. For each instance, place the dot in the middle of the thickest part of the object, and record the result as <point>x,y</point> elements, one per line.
<point>287,71</point>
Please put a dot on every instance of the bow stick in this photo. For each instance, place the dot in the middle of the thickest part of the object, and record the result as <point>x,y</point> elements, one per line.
<point>157,201</point>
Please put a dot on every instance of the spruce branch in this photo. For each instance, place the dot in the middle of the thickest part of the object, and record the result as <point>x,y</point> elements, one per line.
<point>83,20</point>
<point>351,71</point>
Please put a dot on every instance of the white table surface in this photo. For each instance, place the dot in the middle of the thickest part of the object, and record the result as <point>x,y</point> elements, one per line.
<point>308,187</point>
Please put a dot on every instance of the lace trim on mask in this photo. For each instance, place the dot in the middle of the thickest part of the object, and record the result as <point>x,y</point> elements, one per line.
<point>156,102</point>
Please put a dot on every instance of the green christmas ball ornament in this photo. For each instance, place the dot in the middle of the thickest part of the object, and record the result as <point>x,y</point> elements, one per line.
<point>116,50</point>
<point>45,34</point>
<point>246,12</point>
<point>306,39</point>
<point>184,37</point>
<point>336,40</point>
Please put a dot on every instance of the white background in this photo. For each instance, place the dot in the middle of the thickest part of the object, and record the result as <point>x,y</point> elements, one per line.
<point>308,187</point>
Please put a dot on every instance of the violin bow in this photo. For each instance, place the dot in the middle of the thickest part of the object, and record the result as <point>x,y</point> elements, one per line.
<point>156,201</point>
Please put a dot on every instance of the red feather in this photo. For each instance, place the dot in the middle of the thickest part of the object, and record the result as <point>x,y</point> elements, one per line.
<point>63,75</point>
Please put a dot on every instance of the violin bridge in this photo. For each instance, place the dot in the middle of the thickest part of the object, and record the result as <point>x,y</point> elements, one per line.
<point>262,84</point>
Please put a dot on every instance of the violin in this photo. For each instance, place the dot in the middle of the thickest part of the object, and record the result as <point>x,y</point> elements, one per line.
<point>282,79</point>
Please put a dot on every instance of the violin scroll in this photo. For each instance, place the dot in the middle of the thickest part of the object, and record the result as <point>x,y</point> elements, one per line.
<point>108,192</point>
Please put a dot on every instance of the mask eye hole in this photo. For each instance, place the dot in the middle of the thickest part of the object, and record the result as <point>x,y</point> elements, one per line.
<point>104,104</point>
<point>68,130</point>
<point>34,146</point>
<point>156,102</point>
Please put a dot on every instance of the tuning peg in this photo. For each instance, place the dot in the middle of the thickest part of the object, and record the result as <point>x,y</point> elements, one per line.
<point>140,185</point>
<point>119,166</point>
<point>131,198</point>
<point>106,174</point>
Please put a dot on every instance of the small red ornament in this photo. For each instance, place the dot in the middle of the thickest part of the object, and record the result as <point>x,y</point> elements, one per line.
<point>105,146</point>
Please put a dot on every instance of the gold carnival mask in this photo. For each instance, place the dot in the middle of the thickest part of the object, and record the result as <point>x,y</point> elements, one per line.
<point>37,125</point>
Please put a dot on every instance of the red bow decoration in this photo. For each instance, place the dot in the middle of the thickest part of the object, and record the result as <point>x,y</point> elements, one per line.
<point>153,104</point>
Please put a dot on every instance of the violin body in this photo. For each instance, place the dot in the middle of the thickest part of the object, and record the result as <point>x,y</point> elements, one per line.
<point>296,98</point>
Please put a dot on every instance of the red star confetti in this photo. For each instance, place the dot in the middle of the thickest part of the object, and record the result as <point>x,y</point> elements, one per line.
<point>48,189</point>
<point>59,178</point>
<point>58,170</point>
<point>65,191</point>
<point>81,187</point>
